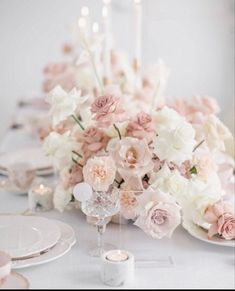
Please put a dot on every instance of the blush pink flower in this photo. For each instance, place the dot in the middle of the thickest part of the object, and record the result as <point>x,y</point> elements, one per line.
<point>72,177</point>
<point>159,215</point>
<point>206,105</point>
<point>128,204</point>
<point>99,172</point>
<point>132,157</point>
<point>141,126</point>
<point>107,110</point>
<point>93,140</point>
<point>58,74</point>
<point>222,220</point>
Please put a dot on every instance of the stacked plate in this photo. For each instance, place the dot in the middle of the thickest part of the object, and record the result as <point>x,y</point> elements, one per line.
<point>33,156</point>
<point>32,240</point>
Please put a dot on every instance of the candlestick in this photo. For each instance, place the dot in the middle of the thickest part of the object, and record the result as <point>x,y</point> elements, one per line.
<point>117,268</point>
<point>85,13</point>
<point>138,42</point>
<point>40,198</point>
<point>107,47</point>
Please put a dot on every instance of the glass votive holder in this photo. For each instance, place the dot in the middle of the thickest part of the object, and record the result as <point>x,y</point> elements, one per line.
<point>40,196</point>
<point>21,176</point>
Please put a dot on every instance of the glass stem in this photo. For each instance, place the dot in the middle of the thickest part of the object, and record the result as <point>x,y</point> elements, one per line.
<point>101,229</point>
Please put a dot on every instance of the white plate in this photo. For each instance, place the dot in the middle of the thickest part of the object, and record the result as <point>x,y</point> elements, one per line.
<point>15,281</point>
<point>65,243</point>
<point>33,156</point>
<point>201,234</point>
<point>23,236</point>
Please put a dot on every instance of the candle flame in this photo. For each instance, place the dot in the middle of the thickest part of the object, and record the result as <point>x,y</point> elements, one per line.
<point>137,2</point>
<point>85,11</point>
<point>95,27</point>
<point>106,2</point>
<point>81,22</point>
<point>104,11</point>
<point>41,186</point>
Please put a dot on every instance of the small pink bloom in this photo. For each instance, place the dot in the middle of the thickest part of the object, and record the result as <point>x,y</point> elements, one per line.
<point>128,204</point>
<point>93,140</point>
<point>107,110</point>
<point>141,126</point>
<point>72,177</point>
<point>222,220</point>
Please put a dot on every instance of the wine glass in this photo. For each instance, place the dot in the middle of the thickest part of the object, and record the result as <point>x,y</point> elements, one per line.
<point>101,206</point>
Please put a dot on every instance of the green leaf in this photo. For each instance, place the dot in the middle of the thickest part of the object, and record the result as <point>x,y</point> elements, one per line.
<point>193,170</point>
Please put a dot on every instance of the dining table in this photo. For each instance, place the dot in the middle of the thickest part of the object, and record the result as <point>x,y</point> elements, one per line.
<point>193,263</point>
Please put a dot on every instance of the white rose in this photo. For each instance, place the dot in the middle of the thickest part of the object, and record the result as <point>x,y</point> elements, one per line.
<point>59,147</point>
<point>112,132</point>
<point>200,195</point>
<point>170,182</point>
<point>167,118</point>
<point>63,104</point>
<point>61,197</point>
<point>175,143</point>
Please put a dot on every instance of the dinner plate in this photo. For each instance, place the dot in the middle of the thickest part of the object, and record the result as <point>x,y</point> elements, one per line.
<point>64,245</point>
<point>201,234</point>
<point>33,156</point>
<point>15,281</point>
<point>23,236</point>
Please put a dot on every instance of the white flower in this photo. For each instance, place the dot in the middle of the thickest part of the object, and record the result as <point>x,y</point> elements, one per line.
<point>61,197</point>
<point>200,195</point>
<point>99,172</point>
<point>170,182</point>
<point>63,104</point>
<point>175,137</point>
<point>113,133</point>
<point>213,131</point>
<point>60,147</point>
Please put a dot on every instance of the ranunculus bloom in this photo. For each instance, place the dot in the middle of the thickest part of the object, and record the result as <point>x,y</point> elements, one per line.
<point>99,172</point>
<point>93,140</point>
<point>72,176</point>
<point>141,126</point>
<point>132,157</point>
<point>160,214</point>
<point>222,220</point>
<point>108,110</point>
<point>128,204</point>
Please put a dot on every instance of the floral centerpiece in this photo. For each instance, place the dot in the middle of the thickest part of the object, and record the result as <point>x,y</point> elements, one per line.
<point>167,158</point>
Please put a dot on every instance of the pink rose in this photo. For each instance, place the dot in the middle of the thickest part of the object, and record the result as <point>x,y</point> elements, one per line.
<point>141,126</point>
<point>93,140</point>
<point>72,177</point>
<point>132,157</point>
<point>160,214</point>
<point>222,220</point>
<point>107,110</point>
<point>128,204</point>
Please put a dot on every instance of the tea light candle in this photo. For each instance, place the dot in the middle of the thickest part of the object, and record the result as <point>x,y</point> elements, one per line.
<point>117,268</point>
<point>40,198</point>
<point>5,266</point>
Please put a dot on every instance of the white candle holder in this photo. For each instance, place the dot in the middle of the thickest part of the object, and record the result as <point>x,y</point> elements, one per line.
<point>117,268</point>
<point>40,197</point>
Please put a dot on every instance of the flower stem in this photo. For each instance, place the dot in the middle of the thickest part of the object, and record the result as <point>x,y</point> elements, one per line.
<point>74,152</point>
<point>118,131</point>
<point>77,163</point>
<point>198,145</point>
<point>93,64</point>
<point>78,121</point>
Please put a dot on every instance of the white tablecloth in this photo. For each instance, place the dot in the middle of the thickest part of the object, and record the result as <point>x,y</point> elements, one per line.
<point>196,264</point>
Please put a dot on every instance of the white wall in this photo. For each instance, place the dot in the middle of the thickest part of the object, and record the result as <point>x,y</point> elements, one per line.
<point>194,37</point>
